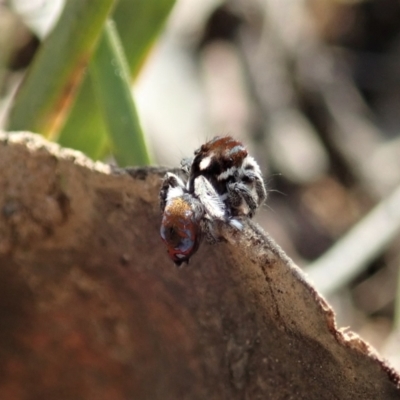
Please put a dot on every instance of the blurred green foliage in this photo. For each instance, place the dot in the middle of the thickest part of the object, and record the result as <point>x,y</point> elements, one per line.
<point>94,111</point>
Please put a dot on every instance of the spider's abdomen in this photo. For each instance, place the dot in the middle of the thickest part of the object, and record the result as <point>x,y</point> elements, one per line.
<point>180,229</point>
<point>218,160</point>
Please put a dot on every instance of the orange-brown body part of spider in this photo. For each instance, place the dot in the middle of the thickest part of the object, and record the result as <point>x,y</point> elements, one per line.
<point>180,230</point>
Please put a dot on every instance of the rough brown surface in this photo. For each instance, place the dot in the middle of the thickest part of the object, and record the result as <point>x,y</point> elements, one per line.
<point>92,308</point>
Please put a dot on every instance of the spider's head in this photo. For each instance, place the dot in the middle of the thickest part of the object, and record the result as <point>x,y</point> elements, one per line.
<point>180,229</point>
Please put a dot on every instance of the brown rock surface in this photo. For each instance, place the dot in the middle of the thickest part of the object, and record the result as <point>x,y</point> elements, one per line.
<point>92,308</point>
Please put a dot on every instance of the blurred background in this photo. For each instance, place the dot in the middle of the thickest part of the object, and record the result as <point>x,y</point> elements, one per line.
<point>312,88</point>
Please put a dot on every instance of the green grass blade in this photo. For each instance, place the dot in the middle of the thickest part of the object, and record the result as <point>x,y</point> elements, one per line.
<point>138,23</point>
<point>84,129</point>
<point>149,17</point>
<point>111,83</point>
<point>56,72</point>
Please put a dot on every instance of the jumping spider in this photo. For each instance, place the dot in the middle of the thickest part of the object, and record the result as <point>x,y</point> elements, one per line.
<point>235,175</point>
<point>223,182</point>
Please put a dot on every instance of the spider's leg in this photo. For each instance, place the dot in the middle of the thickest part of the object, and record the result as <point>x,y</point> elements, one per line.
<point>172,186</point>
<point>239,192</point>
<point>214,207</point>
<point>256,181</point>
<point>252,174</point>
<point>186,164</point>
<point>209,231</point>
